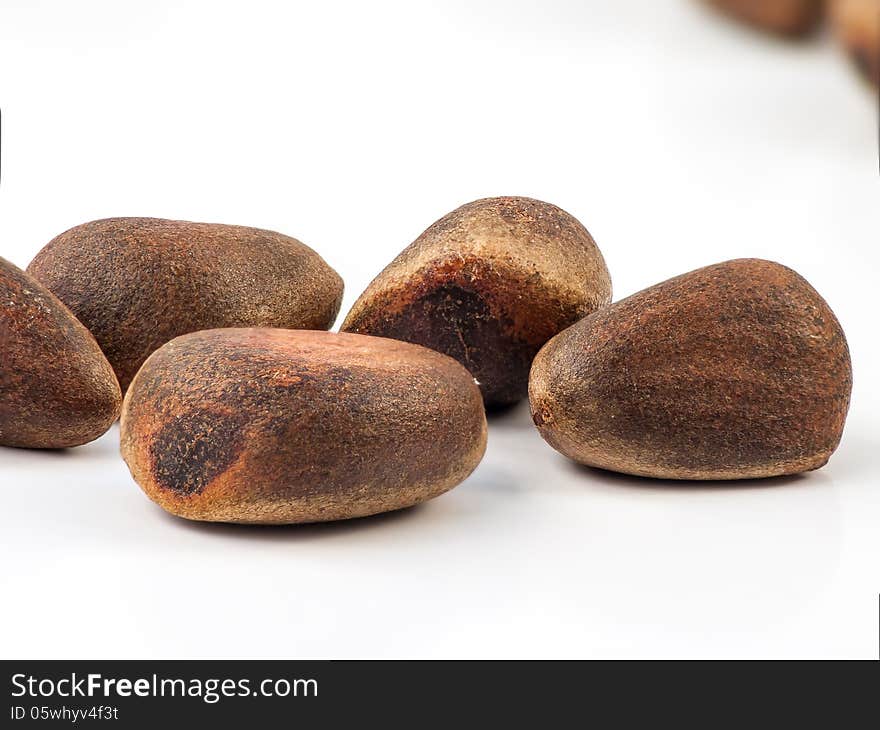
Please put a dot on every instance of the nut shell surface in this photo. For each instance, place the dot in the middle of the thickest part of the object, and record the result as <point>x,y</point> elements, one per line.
<point>271,426</point>
<point>734,371</point>
<point>488,284</point>
<point>137,283</point>
<point>57,389</point>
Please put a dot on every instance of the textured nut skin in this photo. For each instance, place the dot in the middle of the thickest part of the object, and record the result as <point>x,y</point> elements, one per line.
<point>488,284</point>
<point>857,24</point>
<point>734,371</point>
<point>137,283</point>
<point>784,17</point>
<point>276,426</point>
<point>56,387</point>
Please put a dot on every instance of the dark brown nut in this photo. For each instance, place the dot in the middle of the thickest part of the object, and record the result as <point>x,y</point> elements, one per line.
<point>273,426</point>
<point>56,387</point>
<point>137,283</point>
<point>488,284</point>
<point>857,24</point>
<point>783,17</point>
<point>734,371</point>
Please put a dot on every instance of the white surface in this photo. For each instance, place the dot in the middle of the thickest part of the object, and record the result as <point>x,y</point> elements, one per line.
<point>677,138</point>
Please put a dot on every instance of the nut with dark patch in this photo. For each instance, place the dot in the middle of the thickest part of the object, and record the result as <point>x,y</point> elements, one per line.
<point>137,283</point>
<point>488,284</point>
<point>857,24</point>
<point>783,17</point>
<point>56,387</point>
<point>733,371</point>
<point>276,426</point>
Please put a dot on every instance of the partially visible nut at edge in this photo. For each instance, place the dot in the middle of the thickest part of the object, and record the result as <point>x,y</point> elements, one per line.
<point>57,389</point>
<point>857,25</point>
<point>784,17</point>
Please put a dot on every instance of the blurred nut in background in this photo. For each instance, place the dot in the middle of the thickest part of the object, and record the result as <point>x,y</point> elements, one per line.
<point>785,17</point>
<point>857,24</point>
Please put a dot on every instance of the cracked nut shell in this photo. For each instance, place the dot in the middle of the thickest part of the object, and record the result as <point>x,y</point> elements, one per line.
<point>137,283</point>
<point>56,387</point>
<point>488,284</point>
<point>783,17</point>
<point>275,426</point>
<point>737,370</point>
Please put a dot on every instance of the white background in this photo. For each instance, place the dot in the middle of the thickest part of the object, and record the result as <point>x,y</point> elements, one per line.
<point>678,138</point>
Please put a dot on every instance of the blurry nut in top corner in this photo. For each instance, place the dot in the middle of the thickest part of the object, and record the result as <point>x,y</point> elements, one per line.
<point>488,284</point>
<point>271,426</point>
<point>734,371</point>
<point>56,387</point>
<point>857,24</point>
<point>783,17</point>
<point>137,283</point>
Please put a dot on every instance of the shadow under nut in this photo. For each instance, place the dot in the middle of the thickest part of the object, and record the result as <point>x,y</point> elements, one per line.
<point>270,426</point>
<point>734,371</point>
<point>57,389</point>
<point>137,283</point>
<point>488,285</point>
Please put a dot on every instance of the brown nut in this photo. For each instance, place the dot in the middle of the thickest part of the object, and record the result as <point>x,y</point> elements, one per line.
<point>56,387</point>
<point>488,284</point>
<point>733,371</point>
<point>137,283</point>
<point>783,17</point>
<point>277,426</point>
<point>857,25</point>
